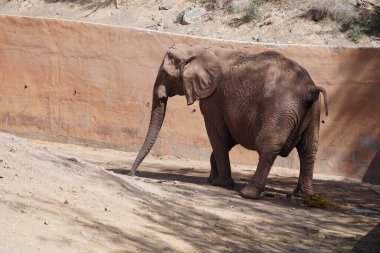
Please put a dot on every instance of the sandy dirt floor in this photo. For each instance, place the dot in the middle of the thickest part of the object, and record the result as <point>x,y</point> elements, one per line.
<point>67,198</point>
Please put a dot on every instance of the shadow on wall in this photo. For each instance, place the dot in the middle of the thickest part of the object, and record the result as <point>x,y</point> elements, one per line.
<point>353,131</point>
<point>372,175</point>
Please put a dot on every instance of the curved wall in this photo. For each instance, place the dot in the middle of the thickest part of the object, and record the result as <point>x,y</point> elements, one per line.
<point>86,83</point>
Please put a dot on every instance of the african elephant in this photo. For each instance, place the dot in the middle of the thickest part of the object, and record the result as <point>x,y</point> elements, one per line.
<point>264,102</point>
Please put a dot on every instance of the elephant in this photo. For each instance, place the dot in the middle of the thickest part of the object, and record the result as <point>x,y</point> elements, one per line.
<point>264,102</point>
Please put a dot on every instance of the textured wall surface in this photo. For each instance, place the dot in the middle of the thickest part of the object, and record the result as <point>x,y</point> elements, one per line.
<point>85,83</point>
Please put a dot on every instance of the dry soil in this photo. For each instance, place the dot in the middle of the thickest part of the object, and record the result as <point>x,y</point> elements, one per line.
<point>65,198</point>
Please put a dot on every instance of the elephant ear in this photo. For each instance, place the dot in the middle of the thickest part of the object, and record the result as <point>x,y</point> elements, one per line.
<point>201,74</point>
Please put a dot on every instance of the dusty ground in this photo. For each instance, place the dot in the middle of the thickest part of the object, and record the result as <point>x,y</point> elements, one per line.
<point>281,20</point>
<point>66,198</point>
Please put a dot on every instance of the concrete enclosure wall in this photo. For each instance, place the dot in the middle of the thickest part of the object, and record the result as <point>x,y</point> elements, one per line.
<point>76,82</point>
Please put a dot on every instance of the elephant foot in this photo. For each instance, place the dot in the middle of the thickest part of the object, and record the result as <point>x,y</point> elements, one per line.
<point>223,182</point>
<point>299,192</point>
<point>250,191</point>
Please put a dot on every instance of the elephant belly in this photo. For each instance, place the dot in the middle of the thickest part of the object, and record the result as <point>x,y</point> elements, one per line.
<point>243,128</point>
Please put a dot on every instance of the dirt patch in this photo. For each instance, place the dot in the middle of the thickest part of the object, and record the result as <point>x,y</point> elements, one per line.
<point>60,197</point>
<point>279,22</point>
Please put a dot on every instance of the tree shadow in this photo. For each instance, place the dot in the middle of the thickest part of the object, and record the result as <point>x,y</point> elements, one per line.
<point>207,219</point>
<point>280,188</point>
<point>249,238</point>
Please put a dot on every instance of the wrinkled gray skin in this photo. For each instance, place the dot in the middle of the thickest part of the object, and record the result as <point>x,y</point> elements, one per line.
<point>264,102</point>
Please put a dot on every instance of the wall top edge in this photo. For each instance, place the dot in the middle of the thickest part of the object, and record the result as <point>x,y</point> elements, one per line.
<point>271,45</point>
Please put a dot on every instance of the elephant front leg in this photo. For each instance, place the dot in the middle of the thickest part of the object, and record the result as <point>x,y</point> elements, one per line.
<point>221,143</point>
<point>214,171</point>
<point>223,171</point>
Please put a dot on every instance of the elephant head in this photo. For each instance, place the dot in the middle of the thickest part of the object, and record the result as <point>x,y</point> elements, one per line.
<point>185,70</point>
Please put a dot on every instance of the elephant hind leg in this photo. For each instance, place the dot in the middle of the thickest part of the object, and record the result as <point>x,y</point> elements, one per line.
<point>269,146</point>
<point>307,150</point>
<point>257,183</point>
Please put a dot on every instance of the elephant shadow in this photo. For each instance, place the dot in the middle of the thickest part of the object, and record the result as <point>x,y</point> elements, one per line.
<point>278,189</point>
<point>191,176</point>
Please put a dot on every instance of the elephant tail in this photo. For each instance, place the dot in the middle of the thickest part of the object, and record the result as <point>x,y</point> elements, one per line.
<point>313,95</point>
<point>320,89</point>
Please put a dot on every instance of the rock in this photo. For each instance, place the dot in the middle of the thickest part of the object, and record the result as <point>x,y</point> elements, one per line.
<point>259,39</point>
<point>45,222</point>
<point>66,202</point>
<point>72,159</point>
<point>265,23</point>
<point>237,6</point>
<point>164,7</point>
<point>192,15</point>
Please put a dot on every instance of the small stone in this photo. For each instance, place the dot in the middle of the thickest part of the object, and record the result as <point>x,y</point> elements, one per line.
<point>12,150</point>
<point>1,160</point>
<point>107,210</point>
<point>192,15</point>
<point>259,39</point>
<point>66,202</point>
<point>164,7</point>
<point>45,222</point>
<point>72,159</point>
<point>23,211</point>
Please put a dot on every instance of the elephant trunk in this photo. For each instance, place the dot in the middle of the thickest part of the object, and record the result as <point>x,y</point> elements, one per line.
<point>156,120</point>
